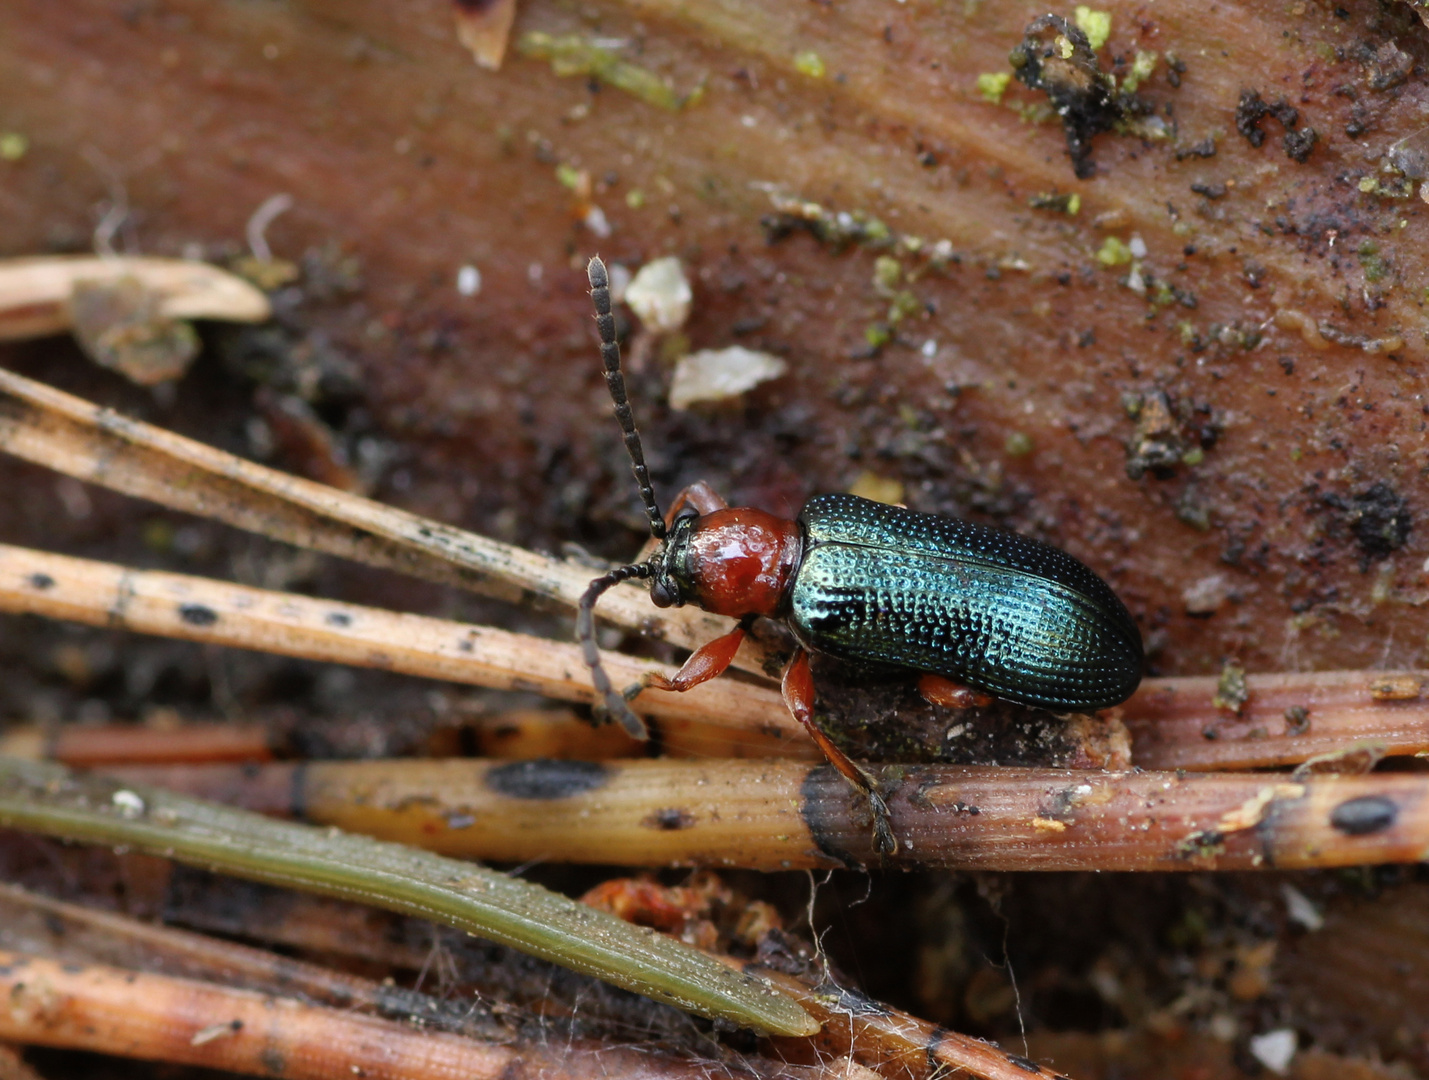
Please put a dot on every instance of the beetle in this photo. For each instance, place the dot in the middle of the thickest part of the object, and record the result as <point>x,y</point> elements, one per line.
<point>962,604</point>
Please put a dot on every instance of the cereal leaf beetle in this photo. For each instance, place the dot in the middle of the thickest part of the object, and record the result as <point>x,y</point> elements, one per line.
<point>871,584</point>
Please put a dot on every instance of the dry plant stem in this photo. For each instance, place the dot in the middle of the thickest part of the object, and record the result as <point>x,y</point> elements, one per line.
<point>776,815</point>
<point>1175,725</point>
<point>40,925</point>
<point>894,1042</point>
<point>35,292</point>
<point>184,1021</point>
<point>891,1041</point>
<point>1169,718</point>
<point>201,609</point>
<point>120,743</point>
<point>49,799</point>
<point>73,436</point>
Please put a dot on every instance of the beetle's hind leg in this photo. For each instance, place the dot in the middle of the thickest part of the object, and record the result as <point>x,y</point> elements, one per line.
<point>798,688</point>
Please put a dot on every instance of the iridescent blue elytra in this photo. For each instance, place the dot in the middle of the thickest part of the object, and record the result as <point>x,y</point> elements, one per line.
<point>999,611</point>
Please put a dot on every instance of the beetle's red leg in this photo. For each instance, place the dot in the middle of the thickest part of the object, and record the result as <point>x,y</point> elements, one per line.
<point>798,689</point>
<point>699,495</point>
<point>937,690</point>
<point>709,660</point>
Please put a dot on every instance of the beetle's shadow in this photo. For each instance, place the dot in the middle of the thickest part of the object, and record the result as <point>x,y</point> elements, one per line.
<point>877,714</point>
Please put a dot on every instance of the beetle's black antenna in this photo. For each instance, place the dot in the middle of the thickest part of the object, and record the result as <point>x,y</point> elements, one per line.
<point>608,699</point>
<point>615,382</point>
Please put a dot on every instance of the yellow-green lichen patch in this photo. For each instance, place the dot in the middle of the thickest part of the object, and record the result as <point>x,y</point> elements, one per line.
<point>13,146</point>
<point>1063,202</point>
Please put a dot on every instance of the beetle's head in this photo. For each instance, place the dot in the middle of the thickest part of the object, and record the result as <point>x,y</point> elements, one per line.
<point>671,579</point>
<point>734,562</point>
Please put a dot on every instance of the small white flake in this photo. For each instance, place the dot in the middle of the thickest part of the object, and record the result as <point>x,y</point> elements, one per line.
<point>1137,246</point>
<point>1275,1049</point>
<point>597,222</point>
<point>534,273</point>
<point>1301,908</point>
<point>468,280</point>
<point>929,349</point>
<point>719,374</point>
<point>619,281</point>
<point>660,295</point>
<point>127,803</point>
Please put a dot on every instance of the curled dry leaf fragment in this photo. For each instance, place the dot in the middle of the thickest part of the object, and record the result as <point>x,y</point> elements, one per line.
<point>127,312</point>
<point>484,27</point>
<point>119,325</point>
<point>719,374</point>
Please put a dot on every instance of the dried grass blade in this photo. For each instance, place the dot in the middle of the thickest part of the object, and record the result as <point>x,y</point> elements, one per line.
<point>49,799</point>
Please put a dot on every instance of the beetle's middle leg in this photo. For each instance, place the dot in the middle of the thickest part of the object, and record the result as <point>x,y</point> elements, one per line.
<point>798,689</point>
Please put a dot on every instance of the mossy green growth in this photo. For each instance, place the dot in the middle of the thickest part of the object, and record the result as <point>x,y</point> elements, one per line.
<point>887,274</point>
<point>1141,69</point>
<point>992,85</point>
<point>13,146</point>
<point>1113,252</point>
<point>1372,262</point>
<point>1095,24</point>
<point>1017,444</point>
<point>573,54</point>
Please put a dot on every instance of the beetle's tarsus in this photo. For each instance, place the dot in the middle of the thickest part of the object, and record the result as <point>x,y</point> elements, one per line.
<point>884,841</point>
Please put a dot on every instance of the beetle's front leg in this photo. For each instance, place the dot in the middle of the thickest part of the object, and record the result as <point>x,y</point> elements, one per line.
<point>798,689</point>
<point>708,661</point>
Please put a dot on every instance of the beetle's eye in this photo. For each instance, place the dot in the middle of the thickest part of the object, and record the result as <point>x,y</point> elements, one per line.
<point>663,593</point>
<point>687,511</point>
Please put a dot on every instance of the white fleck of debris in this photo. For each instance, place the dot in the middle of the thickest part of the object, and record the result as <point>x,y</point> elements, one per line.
<point>597,222</point>
<point>748,121</point>
<point>930,349</point>
<point>1205,597</point>
<point>1274,1049</point>
<point>955,731</point>
<point>224,1030</point>
<point>468,280</point>
<point>127,803</point>
<point>1301,908</point>
<point>660,295</point>
<point>1222,1027</point>
<point>1137,246</point>
<point>718,374</point>
<point>257,228</point>
<point>535,272</point>
<point>619,281</point>
<point>1134,280</point>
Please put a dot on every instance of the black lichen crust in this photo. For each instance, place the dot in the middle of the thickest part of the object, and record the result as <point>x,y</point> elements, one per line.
<point>1056,58</point>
